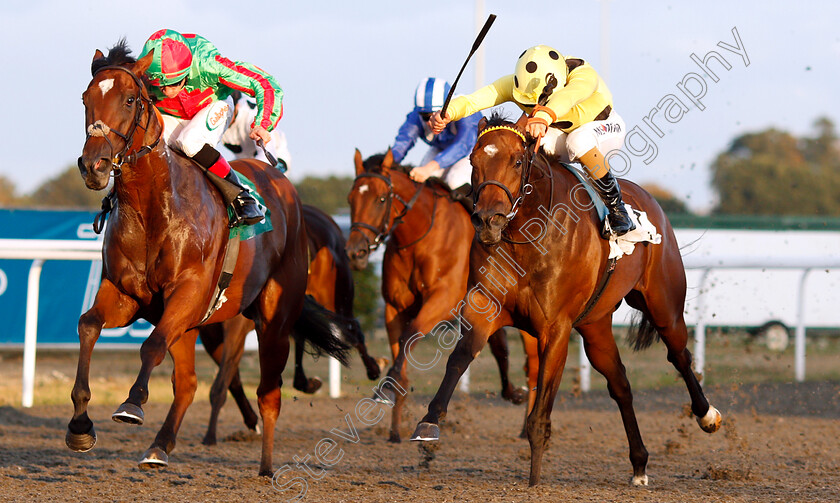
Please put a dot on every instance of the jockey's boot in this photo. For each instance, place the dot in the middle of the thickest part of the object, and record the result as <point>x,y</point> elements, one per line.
<point>244,207</point>
<point>610,192</point>
<point>463,195</point>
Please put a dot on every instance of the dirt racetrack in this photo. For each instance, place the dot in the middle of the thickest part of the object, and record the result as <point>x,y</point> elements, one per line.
<point>779,442</point>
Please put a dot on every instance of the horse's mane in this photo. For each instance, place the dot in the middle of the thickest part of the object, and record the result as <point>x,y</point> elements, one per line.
<point>498,118</point>
<point>118,55</point>
<point>373,164</point>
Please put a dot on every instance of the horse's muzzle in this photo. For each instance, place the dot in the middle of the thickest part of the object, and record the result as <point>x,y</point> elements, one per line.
<point>96,174</point>
<point>358,253</point>
<point>489,226</point>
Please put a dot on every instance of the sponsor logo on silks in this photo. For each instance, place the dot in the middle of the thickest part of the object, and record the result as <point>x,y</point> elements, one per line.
<point>608,128</point>
<point>216,117</point>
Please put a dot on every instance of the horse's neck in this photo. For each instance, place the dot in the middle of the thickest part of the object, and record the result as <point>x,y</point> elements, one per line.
<point>417,220</point>
<point>556,209</point>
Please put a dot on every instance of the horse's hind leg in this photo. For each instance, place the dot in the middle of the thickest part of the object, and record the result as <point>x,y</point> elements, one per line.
<point>668,321</point>
<point>603,353</point>
<point>226,342</point>
<point>300,382</point>
<point>111,309</point>
<point>499,348</point>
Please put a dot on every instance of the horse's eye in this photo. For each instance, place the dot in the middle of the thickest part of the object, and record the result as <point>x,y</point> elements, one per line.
<point>130,101</point>
<point>518,163</point>
<point>382,199</point>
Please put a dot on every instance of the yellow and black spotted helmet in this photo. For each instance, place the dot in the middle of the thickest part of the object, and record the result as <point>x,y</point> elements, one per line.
<point>532,70</point>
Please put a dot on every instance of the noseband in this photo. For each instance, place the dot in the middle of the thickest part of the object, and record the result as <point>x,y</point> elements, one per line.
<point>100,129</point>
<point>382,232</point>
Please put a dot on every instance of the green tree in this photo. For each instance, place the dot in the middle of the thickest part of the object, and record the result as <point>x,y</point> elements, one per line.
<point>772,172</point>
<point>328,194</point>
<point>366,304</point>
<point>8,192</point>
<point>67,190</point>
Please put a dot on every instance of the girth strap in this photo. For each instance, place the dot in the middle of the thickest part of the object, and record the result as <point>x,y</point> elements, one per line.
<point>228,265</point>
<point>599,290</point>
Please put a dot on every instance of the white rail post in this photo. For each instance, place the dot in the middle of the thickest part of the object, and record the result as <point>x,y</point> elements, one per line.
<point>585,369</point>
<point>700,328</point>
<point>31,332</point>
<point>335,378</point>
<point>799,348</point>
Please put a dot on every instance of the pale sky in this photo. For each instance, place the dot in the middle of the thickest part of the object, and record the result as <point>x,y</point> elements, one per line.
<point>349,69</point>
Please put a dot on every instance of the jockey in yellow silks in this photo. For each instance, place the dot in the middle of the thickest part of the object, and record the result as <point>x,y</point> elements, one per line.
<point>570,109</point>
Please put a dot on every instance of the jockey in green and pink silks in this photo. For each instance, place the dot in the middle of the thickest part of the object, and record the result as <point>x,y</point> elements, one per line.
<point>192,84</point>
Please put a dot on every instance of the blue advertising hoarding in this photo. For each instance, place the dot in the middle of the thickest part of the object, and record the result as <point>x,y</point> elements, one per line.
<point>67,287</point>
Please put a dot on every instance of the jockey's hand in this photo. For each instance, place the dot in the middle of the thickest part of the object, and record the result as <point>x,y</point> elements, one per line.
<point>421,173</point>
<point>259,133</point>
<point>536,129</point>
<point>438,123</point>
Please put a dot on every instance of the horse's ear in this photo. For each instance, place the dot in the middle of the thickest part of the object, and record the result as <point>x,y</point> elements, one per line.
<point>388,160</point>
<point>96,57</point>
<point>360,166</point>
<point>143,63</point>
<point>523,120</point>
<point>482,124</point>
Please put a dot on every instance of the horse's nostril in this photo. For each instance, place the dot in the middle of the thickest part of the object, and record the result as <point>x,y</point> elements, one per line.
<point>476,220</point>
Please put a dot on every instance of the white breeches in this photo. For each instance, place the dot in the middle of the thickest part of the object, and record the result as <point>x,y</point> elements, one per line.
<point>606,135</point>
<point>205,128</point>
<point>239,134</point>
<point>456,175</point>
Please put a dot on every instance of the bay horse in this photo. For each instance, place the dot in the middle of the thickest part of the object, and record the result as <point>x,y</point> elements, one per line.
<point>536,217</point>
<point>163,252</point>
<point>424,272</point>
<point>330,283</point>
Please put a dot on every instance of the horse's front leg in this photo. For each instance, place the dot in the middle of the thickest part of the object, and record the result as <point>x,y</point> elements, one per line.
<point>111,308</point>
<point>177,317</point>
<point>183,386</point>
<point>553,350</point>
<point>476,328</point>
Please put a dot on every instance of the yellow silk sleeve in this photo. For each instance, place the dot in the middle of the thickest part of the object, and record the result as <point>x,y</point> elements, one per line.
<point>488,96</point>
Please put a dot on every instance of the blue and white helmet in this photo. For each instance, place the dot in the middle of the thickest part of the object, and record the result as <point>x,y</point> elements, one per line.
<point>430,95</point>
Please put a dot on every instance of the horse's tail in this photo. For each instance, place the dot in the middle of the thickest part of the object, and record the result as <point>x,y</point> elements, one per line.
<point>642,332</point>
<point>325,330</point>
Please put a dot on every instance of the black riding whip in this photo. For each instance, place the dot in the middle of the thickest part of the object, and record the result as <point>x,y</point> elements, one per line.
<point>476,44</point>
<point>271,159</point>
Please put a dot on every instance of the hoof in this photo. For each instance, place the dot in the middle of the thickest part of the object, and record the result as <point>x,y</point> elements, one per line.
<point>426,432</point>
<point>372,367</point>
<point>386,396</point>
<point>128,413</point>
<point>710,423</point>
<point>309,387</point>
<point>154,458</point>
<point>639,480</point>
<point>80,442</point>
<point>515,395</point>
<point>208,441</point>
<point>394,438</point>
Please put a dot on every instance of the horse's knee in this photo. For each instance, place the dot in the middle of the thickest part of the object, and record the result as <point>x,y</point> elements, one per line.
<point>155,348</point>
<point>80,394</point>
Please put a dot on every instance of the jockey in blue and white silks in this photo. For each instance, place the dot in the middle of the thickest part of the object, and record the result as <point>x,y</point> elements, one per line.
<point>448,155</point>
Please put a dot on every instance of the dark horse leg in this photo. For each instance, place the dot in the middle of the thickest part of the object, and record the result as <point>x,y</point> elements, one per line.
<point>225,342</point>
<point>475,330</point>
<point>301,382</point>
<point>603,353</point>
<point>499,348</point>
<point>659,310</point>
<point>118,309</point>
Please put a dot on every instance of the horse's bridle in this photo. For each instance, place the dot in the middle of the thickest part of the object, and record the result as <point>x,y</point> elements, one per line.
<point>100,129</point>
<point>384,230</point>
<point>525,186</point>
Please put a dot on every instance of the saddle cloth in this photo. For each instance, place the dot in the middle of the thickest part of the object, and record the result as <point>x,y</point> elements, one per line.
<point>645,231</point>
